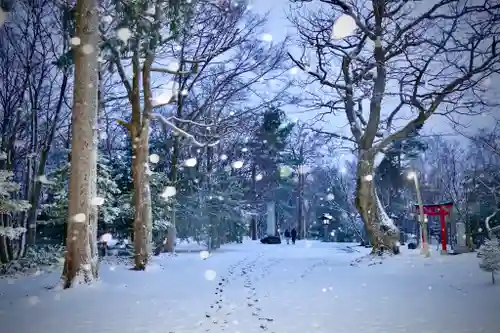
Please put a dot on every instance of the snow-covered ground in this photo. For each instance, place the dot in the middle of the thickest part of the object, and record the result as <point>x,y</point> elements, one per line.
<point>309,287</point>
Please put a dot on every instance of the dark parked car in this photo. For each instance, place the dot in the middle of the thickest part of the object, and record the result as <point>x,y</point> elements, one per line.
<point>271,240</point>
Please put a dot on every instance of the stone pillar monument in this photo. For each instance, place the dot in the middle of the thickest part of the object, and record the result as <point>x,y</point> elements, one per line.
<point>461,246</point>
<point>270,220</point>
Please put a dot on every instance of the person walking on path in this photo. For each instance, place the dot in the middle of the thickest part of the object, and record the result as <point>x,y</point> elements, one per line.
<point>287,236</point>
<point>294,235</point>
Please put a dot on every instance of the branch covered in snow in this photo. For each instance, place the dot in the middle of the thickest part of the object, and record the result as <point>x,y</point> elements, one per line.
<point>169,122</point>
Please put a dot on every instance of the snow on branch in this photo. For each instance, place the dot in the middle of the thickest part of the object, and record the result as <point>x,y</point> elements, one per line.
<point>169,71</point>
<point>385,219</point>
<point>170,123</point>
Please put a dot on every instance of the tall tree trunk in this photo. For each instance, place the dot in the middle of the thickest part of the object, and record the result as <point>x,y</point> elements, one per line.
<point>78,255</point>
<point>171,230</point>
<point>142,199</point>
<point>368,206</point>
<point>139,134</point>
<point>301,233</point>
<point>253,225</point>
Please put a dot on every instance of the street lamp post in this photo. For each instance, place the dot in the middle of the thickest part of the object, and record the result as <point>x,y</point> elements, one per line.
<point>326,222</point>
<point>423,227</point>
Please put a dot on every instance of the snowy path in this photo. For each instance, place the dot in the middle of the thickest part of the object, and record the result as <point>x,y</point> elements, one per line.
<point>305,288</point>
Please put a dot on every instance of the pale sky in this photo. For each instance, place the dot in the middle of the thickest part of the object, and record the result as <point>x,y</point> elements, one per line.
<point>278,26</point>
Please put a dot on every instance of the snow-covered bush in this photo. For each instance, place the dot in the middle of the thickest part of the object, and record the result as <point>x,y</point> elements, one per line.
<point>45,255</point>
<point>11,230</point>
<point>36,258</point>
<point>489,253</point>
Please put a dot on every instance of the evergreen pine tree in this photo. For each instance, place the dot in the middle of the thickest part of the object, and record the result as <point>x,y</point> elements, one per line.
<point>57,207</point>
<point>267,147</point>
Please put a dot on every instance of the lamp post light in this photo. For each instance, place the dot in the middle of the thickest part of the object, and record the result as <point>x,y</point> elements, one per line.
<point>326,222</point>
<point>421,217</point>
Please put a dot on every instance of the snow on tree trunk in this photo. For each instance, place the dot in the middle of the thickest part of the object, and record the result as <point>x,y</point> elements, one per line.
<point>381,229</point>
<point>487,223</point>
<point>143,223</point>
<point>78,261</point>
<point>490,257</point>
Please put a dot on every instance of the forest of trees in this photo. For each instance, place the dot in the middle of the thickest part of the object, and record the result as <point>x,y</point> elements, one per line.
<point>155,120</point>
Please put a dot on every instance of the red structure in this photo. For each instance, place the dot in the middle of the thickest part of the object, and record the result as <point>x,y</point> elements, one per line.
<point>442,210</point>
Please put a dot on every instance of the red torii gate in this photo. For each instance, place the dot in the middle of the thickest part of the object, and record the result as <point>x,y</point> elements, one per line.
<point>442,210</point>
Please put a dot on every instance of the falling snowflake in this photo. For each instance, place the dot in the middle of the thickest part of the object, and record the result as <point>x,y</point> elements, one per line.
<point>368,178</point>
<point>33,300</point>
<point>223,157</point>
<point>190,162</point>
<point>485,83</point>
<point>167,92</point>
<point>259,177</point>
<point>267,37</point>
<point>330,197</point>
<point>244,150</point>
<point>107,19</point>
<point>97,201</point>
<point>204,255</point>
<point>75,41</point>
<point>210,274</point>
<point>124,34</point>
<point>154,158</point>
<point>303,169</point>
<point>237,164</point>
<point>87,49</point>
<point>43,180</point>
<point>294,70</point>
<point>184,92</point>
<point>173,66</point>
<point>107,237</point>
<point>169,191</point>
<point>343,27</point>
<point>79,218</point>
<point>285,171</point>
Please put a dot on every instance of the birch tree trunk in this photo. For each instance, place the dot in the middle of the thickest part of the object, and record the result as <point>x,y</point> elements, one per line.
<point>94,209</point>
<point>78,261</point>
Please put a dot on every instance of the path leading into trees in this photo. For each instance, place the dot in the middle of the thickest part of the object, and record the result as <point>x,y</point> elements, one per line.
<point>309,287</point>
